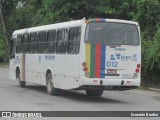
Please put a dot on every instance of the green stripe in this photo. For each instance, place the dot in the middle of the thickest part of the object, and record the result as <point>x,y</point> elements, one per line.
<point>93,20</point>
<point>92,63</point>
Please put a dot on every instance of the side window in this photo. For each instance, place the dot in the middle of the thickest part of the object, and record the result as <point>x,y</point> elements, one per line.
<point>74,40</point>
<point>12,48</point>
<point>33,43</point>
<point>51,41</point>
<point>26,38</point>
<point>41,43</point>
<point>19,42</point>
<point>62,38</point>
<point>25,43</point>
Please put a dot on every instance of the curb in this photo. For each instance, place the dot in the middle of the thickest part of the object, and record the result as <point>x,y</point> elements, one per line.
<point>4,67</point>
<point>154,89</point>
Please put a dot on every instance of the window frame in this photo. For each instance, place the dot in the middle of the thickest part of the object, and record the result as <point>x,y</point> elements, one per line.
<point>33,42</point>
<point>41,42</point>
<point>13,48</point>
<point>18,43</point>
<point>74,42</point>
<point>64,41</point>
<point>52,42</point>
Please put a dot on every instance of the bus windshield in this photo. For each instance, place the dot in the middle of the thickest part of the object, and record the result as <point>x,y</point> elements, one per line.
<point>112,34</point>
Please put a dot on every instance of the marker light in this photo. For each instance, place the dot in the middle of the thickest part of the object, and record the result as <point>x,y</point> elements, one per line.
<point>84,64</point>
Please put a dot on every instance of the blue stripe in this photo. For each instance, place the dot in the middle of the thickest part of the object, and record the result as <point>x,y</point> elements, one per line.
<point>103,20</point>
<point>103,61</point>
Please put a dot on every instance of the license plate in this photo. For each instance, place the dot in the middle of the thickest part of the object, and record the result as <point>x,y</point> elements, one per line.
<point>111,71</point>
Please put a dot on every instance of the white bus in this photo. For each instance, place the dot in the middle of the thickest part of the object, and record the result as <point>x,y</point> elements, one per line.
<point>89,54</point>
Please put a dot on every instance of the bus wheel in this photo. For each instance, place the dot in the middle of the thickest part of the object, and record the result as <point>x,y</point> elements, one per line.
<point>22,84</point>
<point>50,86</point>
<point>98,92</point>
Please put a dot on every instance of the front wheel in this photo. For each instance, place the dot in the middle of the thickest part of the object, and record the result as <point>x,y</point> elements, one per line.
<point>98,92</point>
<point>50,86</point>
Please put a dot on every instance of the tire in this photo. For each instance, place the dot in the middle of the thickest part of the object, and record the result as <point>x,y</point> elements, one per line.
<point>98,92</point>
<point>22,84</point>
<point>50,86</point>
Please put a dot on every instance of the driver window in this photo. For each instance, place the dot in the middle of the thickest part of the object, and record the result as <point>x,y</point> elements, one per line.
<point>12,48</point>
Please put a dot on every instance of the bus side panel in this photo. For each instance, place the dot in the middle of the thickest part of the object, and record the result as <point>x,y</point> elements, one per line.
<point>12,69</point>
<point>72,71</point>
<point>33,68</point>
<point>59,69</point>
<point>65,71</point>
<point>82,55</point>
<point>28,69</point>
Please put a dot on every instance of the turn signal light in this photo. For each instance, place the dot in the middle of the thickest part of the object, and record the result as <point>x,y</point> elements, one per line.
<point>137,70</point>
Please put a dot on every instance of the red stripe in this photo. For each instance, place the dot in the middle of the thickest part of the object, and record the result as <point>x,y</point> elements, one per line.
<point>97,60</point>
<point>97,19</point>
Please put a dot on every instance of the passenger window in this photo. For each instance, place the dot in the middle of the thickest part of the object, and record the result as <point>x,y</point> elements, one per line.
<point>25,46</point>
<point>62,38</point>
<point>19,42</point>
<point>51,41</point>
<point>74,40</point>
<point>41,42</point>
<point>33,43</point>
<point>12,48</point>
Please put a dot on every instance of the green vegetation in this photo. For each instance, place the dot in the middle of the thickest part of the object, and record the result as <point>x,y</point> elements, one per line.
<point>17,14</point>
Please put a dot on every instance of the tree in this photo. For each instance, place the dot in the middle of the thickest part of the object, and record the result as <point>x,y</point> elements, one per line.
<point>3,22</point>
<point>148,16</point>
<point>7,8</point>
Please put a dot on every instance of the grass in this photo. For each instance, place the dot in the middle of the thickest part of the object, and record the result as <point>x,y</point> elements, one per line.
<point>4,64</point>
<point>151,85</point>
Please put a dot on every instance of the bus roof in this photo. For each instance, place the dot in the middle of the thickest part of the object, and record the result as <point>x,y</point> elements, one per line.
<point>74,23</point>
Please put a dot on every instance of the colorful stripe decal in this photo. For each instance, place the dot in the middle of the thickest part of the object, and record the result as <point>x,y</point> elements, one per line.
<point>103,61</point>
<point>97,20</point>
<point>95,59</point>
<point>92,61</point>
<point>88,52</point>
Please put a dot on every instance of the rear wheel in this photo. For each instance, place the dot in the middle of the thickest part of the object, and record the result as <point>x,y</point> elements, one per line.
<point>98,92</point>
<point>50,85</point>
<point>22,84</point>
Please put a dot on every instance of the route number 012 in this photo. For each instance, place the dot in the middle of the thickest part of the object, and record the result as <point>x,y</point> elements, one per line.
<point>112,64</point>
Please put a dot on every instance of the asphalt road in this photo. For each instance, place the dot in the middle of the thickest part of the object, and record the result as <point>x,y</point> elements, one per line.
<point>34,98</point>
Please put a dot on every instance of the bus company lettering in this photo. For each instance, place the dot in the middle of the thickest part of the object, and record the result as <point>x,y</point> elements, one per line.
<point>49,57</point>
<point>134,57</point>
<point>123,57</point>
<point>120,49</point>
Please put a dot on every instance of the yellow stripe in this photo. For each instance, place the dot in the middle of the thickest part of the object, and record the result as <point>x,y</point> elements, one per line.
<point>22,77</point>
<point>88,51</point>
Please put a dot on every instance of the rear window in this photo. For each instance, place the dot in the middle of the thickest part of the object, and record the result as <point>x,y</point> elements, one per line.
<point>112,34</point>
